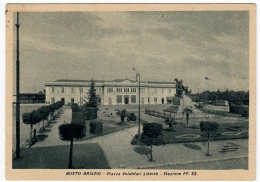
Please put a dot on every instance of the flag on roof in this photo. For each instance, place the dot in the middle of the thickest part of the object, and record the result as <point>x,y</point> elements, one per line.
<point>206,78</point>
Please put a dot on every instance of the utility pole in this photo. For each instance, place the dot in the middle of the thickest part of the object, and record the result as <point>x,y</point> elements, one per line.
<point>198,96</point>
<point>139,123</point>
<point>17,90</point>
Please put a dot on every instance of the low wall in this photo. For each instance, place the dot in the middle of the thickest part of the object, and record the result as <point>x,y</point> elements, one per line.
<point>217,108</point>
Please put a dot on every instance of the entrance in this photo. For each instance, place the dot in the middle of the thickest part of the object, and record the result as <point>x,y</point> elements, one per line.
<point>126,100</point>
<point>72,100</point>
<point>162,100</point>
<point>142,100</point>
<point>63,100</point>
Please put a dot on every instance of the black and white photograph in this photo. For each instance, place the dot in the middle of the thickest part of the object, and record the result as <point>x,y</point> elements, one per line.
<point>135,92</point>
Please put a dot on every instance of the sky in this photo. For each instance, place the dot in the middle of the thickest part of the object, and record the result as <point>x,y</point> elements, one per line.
<point>160,46</point>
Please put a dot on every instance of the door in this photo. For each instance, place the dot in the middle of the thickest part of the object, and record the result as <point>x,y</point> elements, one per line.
<point>162,100</point>
<point>126,100</point>
<point>63,100</point>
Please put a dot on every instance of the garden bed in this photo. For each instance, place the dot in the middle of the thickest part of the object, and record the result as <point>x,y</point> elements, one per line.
<point>195,135</point>
<point>110,126</point>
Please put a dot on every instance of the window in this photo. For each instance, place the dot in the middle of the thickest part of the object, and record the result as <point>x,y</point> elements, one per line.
<point>133,98</point>
<point>133,89</point>
<point>148,100</point>
<point>119,90</point>
<point>62,89</point>
<point>155,100</point>
<point>142,90</point>
<point>119,99</point>
<point>170,90</point>
<point>109,89</point>
<point>126,89</point>
<point>154,90</point>
<point>52,89</point>
<point>72,89</point>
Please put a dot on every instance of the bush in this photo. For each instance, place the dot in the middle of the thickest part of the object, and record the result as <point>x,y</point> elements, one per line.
<point>167,120</point>
<point>207,126</point>
<point>27,118</point>
<point>96,127</point>
<point>75,107</point>
<point>152,129</point>
<point>159,140</point>
<point>132,117</point>
<point>89,113</point>
<point>70,131</point>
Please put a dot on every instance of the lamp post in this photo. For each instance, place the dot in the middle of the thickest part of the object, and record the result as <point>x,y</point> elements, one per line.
<point>138,76</point>
<point>17,91</point>
<point>79,97</point>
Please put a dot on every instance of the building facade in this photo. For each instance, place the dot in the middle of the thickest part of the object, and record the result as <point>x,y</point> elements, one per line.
<point>32,98</point>
<point>115,92</point>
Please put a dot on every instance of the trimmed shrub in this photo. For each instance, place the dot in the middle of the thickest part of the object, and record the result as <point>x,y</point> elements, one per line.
<point>152,135</point>
<point>152,130</point>
<point>35,117</point>
<point>207,126</point>
<point>96,127</point>
<point>71,130</point>
<point>131,117</point>
<point>74,107</point>
<point>159,140</point>
<point>27,118</point>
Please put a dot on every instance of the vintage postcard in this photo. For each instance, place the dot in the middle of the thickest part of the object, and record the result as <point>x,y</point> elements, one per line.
<point>131,92</point>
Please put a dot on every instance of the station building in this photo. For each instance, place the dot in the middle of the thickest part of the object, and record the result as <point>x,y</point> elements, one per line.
<point>114,92</point>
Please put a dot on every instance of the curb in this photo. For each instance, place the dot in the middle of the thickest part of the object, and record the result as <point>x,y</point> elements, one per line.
<point>181,163</point>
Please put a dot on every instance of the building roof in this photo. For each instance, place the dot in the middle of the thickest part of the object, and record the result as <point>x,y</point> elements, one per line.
<point>115,82</point>
<point>32,94</point>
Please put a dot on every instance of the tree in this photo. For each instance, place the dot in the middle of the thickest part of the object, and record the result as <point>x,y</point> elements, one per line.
<point>44,114</point>
<point>69,132</point>
<point>208,127</point>
<point>93,100</point>
<point>152,135</point>
<point>36,117</point>
<point>27,119</point>
<point>122,116</point>
<point>52,109</point>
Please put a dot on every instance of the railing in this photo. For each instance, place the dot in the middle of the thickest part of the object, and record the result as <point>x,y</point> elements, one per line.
<point>164,114</point>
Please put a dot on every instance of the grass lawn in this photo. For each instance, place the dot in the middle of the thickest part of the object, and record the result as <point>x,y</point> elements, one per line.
<point>110,126</point>
<point>193,133</point>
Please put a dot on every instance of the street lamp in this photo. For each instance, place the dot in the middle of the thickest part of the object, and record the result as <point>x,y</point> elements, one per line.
<point>138,76</point>
<point>79,97</point>
<point>17,91</point>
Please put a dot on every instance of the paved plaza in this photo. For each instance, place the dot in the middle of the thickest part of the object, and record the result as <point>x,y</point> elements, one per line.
<point>117,152</point>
